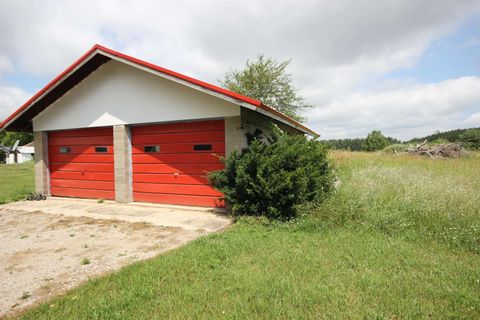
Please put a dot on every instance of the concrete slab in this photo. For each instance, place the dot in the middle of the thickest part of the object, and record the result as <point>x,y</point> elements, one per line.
<point>189,218</point>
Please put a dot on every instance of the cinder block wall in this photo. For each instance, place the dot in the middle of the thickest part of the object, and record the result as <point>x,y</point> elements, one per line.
<point>42,176</point>
<point>123,163</point>
<point>235,138</point>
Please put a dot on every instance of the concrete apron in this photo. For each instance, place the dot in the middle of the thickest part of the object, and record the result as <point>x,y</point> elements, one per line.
<point>189,218</point>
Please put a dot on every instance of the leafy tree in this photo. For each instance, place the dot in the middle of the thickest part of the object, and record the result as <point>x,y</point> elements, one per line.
<point>267,80</point>
<point>272,178</point>
<point>375,141</point>
<point>8,138</point>
<point>471,138</point>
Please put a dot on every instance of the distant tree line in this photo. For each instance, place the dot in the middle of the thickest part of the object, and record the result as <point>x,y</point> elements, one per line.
<point>374,141</point>
<point>377,141</point>
<point>451,136</point>
<point>469,137</point>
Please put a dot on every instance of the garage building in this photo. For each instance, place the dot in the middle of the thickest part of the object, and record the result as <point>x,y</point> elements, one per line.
<point>115,127</point>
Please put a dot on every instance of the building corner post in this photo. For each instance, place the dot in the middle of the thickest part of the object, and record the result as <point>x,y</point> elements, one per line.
<point>122,146</point>
<point>42,176</point>
<point>235,138</point>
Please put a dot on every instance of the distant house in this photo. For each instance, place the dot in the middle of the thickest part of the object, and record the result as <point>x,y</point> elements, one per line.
<point>23,154</point>
<point>115,127</point>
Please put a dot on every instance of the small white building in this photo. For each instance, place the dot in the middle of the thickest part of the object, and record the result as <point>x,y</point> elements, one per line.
<point>24,153</point>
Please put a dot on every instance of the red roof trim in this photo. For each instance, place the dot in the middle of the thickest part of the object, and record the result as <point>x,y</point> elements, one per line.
<point>48,86</point>
<point>151,66</point>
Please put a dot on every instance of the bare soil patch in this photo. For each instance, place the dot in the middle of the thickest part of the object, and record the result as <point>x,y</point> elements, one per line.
<point>42,255</point>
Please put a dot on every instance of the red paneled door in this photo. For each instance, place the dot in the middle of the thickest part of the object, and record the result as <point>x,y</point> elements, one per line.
<point>170,162</point>
<point>81,163</point>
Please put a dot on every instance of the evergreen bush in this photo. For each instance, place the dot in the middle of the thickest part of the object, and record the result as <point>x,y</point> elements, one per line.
<point>272,178</point>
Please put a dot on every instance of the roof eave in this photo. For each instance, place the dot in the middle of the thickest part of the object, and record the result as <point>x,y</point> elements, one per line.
<point>50,86</point>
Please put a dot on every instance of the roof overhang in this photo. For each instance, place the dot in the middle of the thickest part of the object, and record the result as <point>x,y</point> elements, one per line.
<point>21,119</point>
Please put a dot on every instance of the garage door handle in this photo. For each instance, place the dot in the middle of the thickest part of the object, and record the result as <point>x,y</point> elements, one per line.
<point>176,174</point>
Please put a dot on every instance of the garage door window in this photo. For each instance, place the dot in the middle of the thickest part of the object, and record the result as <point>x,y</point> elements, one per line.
<point>65,150</point>
<point>151,149</point>
<point>101,149</point>
<point>202,147</point>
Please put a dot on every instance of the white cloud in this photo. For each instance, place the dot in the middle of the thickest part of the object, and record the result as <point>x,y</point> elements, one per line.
<point>338,47</point>
<point>404,113</point>
<point>473,120</point>
<point>382,35</point>
<point>5,64</point>
<point>11,98</point>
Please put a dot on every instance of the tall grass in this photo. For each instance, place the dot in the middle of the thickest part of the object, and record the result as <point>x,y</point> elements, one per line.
<point>408,196</point>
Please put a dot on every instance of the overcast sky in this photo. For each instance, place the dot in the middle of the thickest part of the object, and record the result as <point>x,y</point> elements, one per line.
<point>408,68</point>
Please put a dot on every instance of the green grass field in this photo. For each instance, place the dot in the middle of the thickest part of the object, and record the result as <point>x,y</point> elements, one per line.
<point>15,181</point>
<point>399,240</point>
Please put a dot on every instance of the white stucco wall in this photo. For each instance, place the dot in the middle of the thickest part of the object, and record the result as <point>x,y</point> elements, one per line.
<point>121,94</point>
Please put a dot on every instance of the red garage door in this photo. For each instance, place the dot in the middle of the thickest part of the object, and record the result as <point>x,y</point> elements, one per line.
<point>81,163</point>
<point>170,162</point>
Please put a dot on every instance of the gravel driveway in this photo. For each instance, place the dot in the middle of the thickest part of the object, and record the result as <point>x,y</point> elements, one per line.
<point>42,254</point>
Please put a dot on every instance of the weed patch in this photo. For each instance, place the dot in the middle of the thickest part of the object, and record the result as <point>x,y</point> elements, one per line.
<point>410,197</point>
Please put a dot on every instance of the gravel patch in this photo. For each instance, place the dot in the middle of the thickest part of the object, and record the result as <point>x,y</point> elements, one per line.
<point>43,255</point>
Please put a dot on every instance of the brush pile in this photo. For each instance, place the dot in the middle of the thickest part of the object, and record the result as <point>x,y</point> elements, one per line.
<point>445,150</point>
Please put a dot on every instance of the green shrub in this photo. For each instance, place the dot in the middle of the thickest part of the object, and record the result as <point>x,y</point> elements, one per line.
<point>375,141</point>
<point>471,138</point>
<point>272,179</point>
<point>438,141</point>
